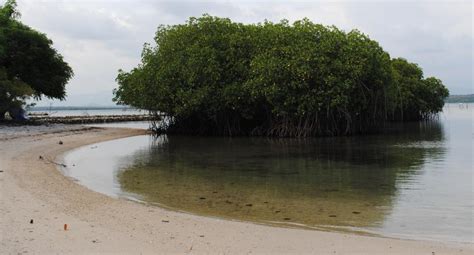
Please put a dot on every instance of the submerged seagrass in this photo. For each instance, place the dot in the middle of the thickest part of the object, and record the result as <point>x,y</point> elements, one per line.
<point>215,76</point>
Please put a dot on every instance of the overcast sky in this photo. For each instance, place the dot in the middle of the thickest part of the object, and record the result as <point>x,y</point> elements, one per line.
<point>98,37</point>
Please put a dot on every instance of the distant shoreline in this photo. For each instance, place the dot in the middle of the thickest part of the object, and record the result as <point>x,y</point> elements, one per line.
<point>460,99</point>
<point>72,108</point>
<point>451,99</point>
<point>86,119</point>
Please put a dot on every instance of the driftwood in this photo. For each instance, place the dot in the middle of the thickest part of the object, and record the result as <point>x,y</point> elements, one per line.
<point>50,161</point>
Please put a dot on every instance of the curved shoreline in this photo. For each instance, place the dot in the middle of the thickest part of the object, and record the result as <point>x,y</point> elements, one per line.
<point>33,189</point>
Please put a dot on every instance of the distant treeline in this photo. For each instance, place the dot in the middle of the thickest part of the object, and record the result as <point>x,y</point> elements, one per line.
<point>460,99</point>
<point>212,76</point>
<point>76,108</point>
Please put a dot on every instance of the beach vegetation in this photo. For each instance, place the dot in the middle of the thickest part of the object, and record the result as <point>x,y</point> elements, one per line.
<point>29,65</point>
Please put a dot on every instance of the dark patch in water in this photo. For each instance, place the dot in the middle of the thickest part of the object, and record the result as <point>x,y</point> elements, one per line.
<point>330,190</point>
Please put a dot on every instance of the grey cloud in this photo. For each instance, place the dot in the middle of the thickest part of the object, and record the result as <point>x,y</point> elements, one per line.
<point>180,10</point>
<point>75,20</point>
<point>97,36</point>
<point>436,35</point>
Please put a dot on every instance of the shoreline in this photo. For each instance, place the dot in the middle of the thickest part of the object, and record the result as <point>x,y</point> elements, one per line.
<point>34,189</point>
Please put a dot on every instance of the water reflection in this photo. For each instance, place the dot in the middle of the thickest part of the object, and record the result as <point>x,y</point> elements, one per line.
<point>348,181</point>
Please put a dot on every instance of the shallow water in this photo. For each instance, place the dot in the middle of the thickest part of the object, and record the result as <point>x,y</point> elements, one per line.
<point>415,181</point>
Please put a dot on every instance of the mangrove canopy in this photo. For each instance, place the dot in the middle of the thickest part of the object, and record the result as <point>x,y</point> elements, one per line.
<point>217,77</point>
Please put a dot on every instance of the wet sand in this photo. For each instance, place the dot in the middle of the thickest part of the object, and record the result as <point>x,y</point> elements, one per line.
<point>37,200</point>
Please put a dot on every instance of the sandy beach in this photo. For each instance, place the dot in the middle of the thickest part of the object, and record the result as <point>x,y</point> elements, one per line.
<point>37,200</point>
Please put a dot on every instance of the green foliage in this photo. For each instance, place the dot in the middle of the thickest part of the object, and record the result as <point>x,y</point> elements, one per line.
<point>29,65</point>
<point>215,76</point>
<point>415,98</point>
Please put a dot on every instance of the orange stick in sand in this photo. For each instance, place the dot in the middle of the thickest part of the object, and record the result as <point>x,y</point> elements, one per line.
<point>65,227</point>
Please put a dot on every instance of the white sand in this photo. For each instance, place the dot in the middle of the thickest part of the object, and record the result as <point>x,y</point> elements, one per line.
<point>35,189</point>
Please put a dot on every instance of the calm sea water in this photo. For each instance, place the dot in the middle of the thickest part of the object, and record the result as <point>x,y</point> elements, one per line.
<point>414,181</point>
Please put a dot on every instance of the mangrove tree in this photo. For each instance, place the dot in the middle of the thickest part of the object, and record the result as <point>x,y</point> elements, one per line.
<point>213,76</point>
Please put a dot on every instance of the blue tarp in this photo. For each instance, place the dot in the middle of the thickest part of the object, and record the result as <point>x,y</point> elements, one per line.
<point>18,114</point>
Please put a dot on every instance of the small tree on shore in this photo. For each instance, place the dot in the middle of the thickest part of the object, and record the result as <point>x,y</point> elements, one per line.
<point>29,65</point>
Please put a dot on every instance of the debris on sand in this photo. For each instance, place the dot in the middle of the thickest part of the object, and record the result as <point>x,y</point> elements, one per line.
<point>52,162</point>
